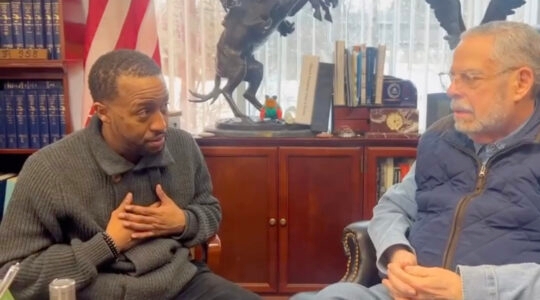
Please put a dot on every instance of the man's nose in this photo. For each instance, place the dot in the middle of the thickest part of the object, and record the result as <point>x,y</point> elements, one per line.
<point>159,122</point>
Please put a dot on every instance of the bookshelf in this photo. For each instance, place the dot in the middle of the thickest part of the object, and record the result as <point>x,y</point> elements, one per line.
<point>34,85</point>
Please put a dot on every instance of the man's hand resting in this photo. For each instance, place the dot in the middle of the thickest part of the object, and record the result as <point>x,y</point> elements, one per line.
<point>161,218</point>
<point>116,230</point>
<point>428,283</point>
<point>401,257</point>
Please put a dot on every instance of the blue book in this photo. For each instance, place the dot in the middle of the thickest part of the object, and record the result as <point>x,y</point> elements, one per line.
<point>28,24</point>
<point>6,25</point>
<point>54,112</point>
<point>43,117</point>
<point>17,23</point>
<point>21,117</point>
<point>62,113</point>
<point>55,8</point>
<point>48,27</point>
<point>3,135</point>
<point>11,123</point>
<point>38,23</point>
<point>371,64</point>
<point>33,119</point>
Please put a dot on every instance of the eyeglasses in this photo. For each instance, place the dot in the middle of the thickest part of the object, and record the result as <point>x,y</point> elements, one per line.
<point>469,79</point>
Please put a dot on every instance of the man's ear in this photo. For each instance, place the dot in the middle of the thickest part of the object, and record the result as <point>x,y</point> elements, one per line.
<point>101,111</point>
<point>523,83</point>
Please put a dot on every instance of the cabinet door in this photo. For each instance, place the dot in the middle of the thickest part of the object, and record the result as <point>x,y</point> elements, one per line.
<point>245,182</point>
<point>320,193</point>
<point>384,166</point>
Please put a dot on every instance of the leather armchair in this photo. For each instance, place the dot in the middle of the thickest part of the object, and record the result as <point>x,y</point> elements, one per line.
<point>361,257</point>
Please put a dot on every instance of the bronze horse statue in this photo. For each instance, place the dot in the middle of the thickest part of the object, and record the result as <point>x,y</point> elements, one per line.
<point>247,25</point>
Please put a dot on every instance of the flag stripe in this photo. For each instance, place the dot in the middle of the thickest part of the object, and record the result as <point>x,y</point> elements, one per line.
<point>132,23</point>
<point>97,8</point>
<point>156,56</point>
<point>114,24</point>
<point>147,37</point>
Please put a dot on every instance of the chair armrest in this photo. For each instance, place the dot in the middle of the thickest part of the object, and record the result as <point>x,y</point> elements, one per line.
<point>361,255</point>
<point>213,252</point>
<point>209,252</point>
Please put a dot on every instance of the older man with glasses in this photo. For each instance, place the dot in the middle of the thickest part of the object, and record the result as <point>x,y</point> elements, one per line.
<point>465,221</point>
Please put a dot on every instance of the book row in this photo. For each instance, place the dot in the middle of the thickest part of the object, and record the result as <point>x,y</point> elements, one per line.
<point>321,92</point>
<point>359,79</point>
<point>390,171</point>
<point>31,24</point>
<point>31,114</point>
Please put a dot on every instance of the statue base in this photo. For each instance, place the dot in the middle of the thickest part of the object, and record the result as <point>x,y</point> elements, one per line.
<point>254,127</point>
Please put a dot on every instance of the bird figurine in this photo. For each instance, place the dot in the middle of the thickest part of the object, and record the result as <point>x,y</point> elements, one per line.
<point>271,109</point>
<point>448,13</point>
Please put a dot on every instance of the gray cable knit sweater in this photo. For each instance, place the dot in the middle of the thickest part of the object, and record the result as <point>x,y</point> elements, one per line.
<point>62,202</point>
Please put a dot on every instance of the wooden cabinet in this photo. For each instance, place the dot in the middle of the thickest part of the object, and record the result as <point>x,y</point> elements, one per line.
<point>28,72</point>
<point>320,191</point>
<point>245,180</point>
<point>285,203</point>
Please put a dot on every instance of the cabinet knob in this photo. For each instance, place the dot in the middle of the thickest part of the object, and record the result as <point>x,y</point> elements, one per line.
<point>272,221</point>
<point>282,221</point>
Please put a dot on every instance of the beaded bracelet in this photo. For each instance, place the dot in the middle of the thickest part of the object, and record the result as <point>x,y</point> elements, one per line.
<point>112,245</point>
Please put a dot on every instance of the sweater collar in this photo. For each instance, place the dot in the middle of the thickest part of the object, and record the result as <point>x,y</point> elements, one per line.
<point>113,163</point>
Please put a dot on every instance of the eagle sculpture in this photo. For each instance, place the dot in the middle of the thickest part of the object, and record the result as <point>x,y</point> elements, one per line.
<point>448,13</point>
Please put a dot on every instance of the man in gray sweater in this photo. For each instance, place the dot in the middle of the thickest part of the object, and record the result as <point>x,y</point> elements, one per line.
<point>116,205</point>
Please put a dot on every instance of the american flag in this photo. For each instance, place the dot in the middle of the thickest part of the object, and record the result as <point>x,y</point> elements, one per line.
<point>117,24</point>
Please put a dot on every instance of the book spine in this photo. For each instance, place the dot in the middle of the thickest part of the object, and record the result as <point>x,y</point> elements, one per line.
<point>55,8</point>
<point>38,23</point>
<point>379,73</point>
<point>11,123</point>
<point>21,102</point>
<point>3,134</point>
<point>28,24</point>
<point>371,63</point>
<point>62,114</point>
<point>6,25</point>
<point>54,111</point>
<point>322,105</point>
<point>306,90</point>
<point>43,115</point>
<point>17,24</point>
<point>33,119</point>
<point>363,95</point>
<point>48,27</point>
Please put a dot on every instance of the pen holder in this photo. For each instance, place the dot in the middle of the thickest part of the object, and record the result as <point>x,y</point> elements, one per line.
<point>62,289</point>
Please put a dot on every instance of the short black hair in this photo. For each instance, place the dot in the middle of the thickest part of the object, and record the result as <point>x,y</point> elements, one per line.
<point>123,62</point>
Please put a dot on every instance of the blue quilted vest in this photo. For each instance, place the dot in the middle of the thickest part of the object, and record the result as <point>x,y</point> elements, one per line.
<point>471,215</point>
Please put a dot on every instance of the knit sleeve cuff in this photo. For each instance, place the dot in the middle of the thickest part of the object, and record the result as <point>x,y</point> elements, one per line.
<point>191,228</point>
<point>95,250</point>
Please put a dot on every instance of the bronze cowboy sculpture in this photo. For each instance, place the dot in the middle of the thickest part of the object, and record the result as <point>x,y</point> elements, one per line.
<point>247,25</point>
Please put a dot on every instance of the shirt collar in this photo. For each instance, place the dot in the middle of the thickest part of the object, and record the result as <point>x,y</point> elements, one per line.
<point>113,163</point>
<point>502,143</point>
